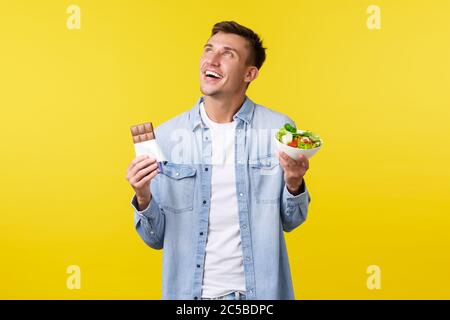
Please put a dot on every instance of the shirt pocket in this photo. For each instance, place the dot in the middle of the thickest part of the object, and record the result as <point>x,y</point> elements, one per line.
<point>177,185</point>
<point>265,174</point>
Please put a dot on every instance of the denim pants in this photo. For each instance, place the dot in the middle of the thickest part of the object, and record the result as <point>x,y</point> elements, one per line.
<point>237,295</point>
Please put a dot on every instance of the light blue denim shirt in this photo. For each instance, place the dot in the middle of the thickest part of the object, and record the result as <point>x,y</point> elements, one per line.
<point>176,219</point>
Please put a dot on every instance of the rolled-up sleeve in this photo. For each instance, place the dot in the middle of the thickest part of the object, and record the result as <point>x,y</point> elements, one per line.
<point>294,209</point>
<point>149,223</point>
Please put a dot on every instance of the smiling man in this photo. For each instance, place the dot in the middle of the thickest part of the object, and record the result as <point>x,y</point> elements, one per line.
<point>222,202</point>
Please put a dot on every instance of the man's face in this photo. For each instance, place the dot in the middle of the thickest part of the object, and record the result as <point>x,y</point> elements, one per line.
<point>223,65</point>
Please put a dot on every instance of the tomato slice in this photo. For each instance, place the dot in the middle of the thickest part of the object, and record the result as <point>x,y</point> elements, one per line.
<point>293,143</point>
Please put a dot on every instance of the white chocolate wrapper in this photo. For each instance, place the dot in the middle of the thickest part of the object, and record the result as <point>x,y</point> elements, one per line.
<point>152,149</point>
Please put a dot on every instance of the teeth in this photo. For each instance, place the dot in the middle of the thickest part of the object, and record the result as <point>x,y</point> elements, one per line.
<point>212,73</point>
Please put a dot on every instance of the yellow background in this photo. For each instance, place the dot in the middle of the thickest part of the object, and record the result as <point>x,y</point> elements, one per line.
<point>379,99</point>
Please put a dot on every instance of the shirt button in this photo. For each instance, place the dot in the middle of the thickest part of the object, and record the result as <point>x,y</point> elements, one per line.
<point>201,233</point>
<point>198,266</point>
<point>244,226</point>
<point>177,174</point>
<point>204,201</point>
<point>250,291</point>
<point>195,298</point>
<point>151,232</point>
<point>241,194</point>
<point>206,169</point>
<point>247,259</point>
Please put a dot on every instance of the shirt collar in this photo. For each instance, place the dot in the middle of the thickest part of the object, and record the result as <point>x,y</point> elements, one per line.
<point>245,112</point>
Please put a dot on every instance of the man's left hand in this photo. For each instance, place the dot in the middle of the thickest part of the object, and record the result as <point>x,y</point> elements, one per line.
<point>294,170</point>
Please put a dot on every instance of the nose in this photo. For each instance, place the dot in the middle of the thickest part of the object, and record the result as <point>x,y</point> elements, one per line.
<point>213,59</point>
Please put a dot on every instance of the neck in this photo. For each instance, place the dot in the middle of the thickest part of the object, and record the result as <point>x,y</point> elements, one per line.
<point>222,109</point>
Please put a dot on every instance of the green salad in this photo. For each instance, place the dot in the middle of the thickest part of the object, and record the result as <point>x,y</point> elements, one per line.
<point>293,137</point>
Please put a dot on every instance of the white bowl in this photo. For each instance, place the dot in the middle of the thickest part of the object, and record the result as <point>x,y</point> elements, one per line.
<point>295,152</point>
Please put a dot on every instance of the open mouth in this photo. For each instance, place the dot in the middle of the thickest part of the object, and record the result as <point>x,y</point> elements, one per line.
<point>212,75</point>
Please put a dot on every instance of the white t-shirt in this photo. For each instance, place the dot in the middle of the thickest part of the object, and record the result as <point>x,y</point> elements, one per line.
<point>224,269</point>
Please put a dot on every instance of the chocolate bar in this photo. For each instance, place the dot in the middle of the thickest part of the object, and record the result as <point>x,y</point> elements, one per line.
<point>145,143</point>
<point>142,132</point>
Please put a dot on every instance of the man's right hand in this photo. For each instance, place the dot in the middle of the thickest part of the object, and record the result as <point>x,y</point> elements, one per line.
<point>139,174</point>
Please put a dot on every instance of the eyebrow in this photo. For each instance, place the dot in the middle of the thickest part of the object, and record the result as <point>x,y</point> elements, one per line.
<point>226,48</point>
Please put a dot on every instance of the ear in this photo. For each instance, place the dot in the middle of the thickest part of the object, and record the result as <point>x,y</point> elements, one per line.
<point>251,74</point>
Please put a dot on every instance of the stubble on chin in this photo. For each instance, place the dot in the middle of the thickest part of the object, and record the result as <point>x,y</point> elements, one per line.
<point>210,92</point>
